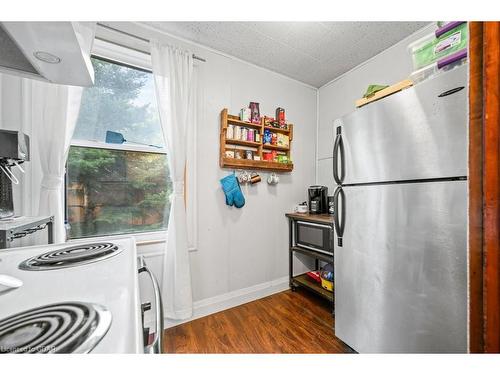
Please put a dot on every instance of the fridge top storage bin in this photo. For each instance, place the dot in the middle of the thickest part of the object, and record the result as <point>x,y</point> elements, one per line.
<point>424,73</point>
<point>445,64</point>
<point>430,48</point>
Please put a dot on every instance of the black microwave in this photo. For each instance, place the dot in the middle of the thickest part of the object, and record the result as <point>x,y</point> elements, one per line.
<point>313,236</point>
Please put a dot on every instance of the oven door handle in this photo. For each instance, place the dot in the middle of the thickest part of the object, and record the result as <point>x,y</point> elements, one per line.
<point>157,345</point>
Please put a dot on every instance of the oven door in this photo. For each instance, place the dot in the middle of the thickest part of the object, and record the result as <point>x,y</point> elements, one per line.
<point>314,236</point>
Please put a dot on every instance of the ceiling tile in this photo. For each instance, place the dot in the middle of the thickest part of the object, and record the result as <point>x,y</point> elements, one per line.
<point>311,52</point>
<point>304,37</point>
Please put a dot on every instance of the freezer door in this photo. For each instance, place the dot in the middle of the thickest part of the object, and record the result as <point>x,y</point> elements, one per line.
<point>419,133</point>
<point>400,274</point>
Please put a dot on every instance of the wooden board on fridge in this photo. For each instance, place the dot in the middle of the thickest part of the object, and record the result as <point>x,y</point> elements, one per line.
<point>385,92</point>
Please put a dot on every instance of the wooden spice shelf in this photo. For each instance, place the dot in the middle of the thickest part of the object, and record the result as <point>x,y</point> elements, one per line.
<point>242,143</point>
<point>256,164</point>
<point>257,147</point>
<point>236,121</point>
<point>277,130</point>
<point>274,147</point>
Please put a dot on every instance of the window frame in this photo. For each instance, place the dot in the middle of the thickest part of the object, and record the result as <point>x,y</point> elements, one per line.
<point>135,60</point>
<point>120,55</point>
<point>122,147</point>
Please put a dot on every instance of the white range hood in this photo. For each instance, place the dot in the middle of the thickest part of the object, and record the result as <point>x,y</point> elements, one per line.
<point>58,52</point>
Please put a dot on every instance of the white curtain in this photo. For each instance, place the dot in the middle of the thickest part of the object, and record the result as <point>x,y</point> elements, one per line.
<point>173,77</point>
<point>55,108</point>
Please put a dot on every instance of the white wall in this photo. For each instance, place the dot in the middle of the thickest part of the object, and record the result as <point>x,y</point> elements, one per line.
<point>239,248</point>
<point>337,98</point>
<point>242,251</point>
<point>241,254</point>
<point>11,118</point>
<point>15,114</point>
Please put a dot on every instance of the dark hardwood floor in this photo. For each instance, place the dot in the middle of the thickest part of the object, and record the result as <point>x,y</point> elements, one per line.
<point>287,322</point>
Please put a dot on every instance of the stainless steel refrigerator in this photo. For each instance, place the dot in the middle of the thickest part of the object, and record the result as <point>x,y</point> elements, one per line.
<point>400,165</point>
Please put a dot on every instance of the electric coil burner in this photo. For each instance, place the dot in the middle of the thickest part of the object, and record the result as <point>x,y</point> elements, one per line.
<point>94,306</point>
<point>72,327</point>
<point>70,256</point>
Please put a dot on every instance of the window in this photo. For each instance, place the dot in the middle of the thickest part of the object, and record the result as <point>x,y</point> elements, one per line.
<point>115,188</point>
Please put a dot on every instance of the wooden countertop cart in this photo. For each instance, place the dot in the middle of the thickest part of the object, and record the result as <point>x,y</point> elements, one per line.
<point>302,280</point>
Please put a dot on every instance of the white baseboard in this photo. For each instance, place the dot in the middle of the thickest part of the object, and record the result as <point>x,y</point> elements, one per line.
<point>226,301</point>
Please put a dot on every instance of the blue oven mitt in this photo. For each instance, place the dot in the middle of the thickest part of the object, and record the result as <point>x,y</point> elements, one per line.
<point>232,189</point>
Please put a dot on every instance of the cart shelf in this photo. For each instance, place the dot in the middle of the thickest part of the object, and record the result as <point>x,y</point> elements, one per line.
<point>314,254</point>
<point>304,280</point>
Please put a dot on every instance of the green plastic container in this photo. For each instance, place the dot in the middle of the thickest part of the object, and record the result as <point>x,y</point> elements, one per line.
<point>430,49</point>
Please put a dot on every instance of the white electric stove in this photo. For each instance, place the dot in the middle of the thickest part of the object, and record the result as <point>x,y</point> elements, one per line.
<point>80,297</point>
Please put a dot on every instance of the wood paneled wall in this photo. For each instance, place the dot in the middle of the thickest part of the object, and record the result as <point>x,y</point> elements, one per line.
<point>484,187</point>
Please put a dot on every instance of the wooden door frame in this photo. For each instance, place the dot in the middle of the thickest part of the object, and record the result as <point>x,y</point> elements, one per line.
<point>484,187</point>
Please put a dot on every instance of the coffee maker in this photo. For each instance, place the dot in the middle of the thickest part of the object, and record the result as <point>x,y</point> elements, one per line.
<point>14,150</point>
<point>318,199</point>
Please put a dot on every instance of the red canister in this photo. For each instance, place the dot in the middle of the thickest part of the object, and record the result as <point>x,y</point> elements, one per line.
<point>280,116</point>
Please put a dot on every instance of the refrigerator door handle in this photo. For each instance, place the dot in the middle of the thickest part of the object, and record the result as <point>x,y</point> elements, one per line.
<point>450,92</point>
<point>339,220</point>
<point>338,146</point>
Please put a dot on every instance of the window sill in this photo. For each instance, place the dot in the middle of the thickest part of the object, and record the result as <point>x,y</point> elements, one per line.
<point>141,239</point>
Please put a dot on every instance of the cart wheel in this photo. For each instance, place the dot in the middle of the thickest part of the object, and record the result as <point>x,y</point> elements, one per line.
<point>293,288</point>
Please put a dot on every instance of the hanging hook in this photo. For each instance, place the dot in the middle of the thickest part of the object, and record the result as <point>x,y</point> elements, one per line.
<point>9,174</point>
